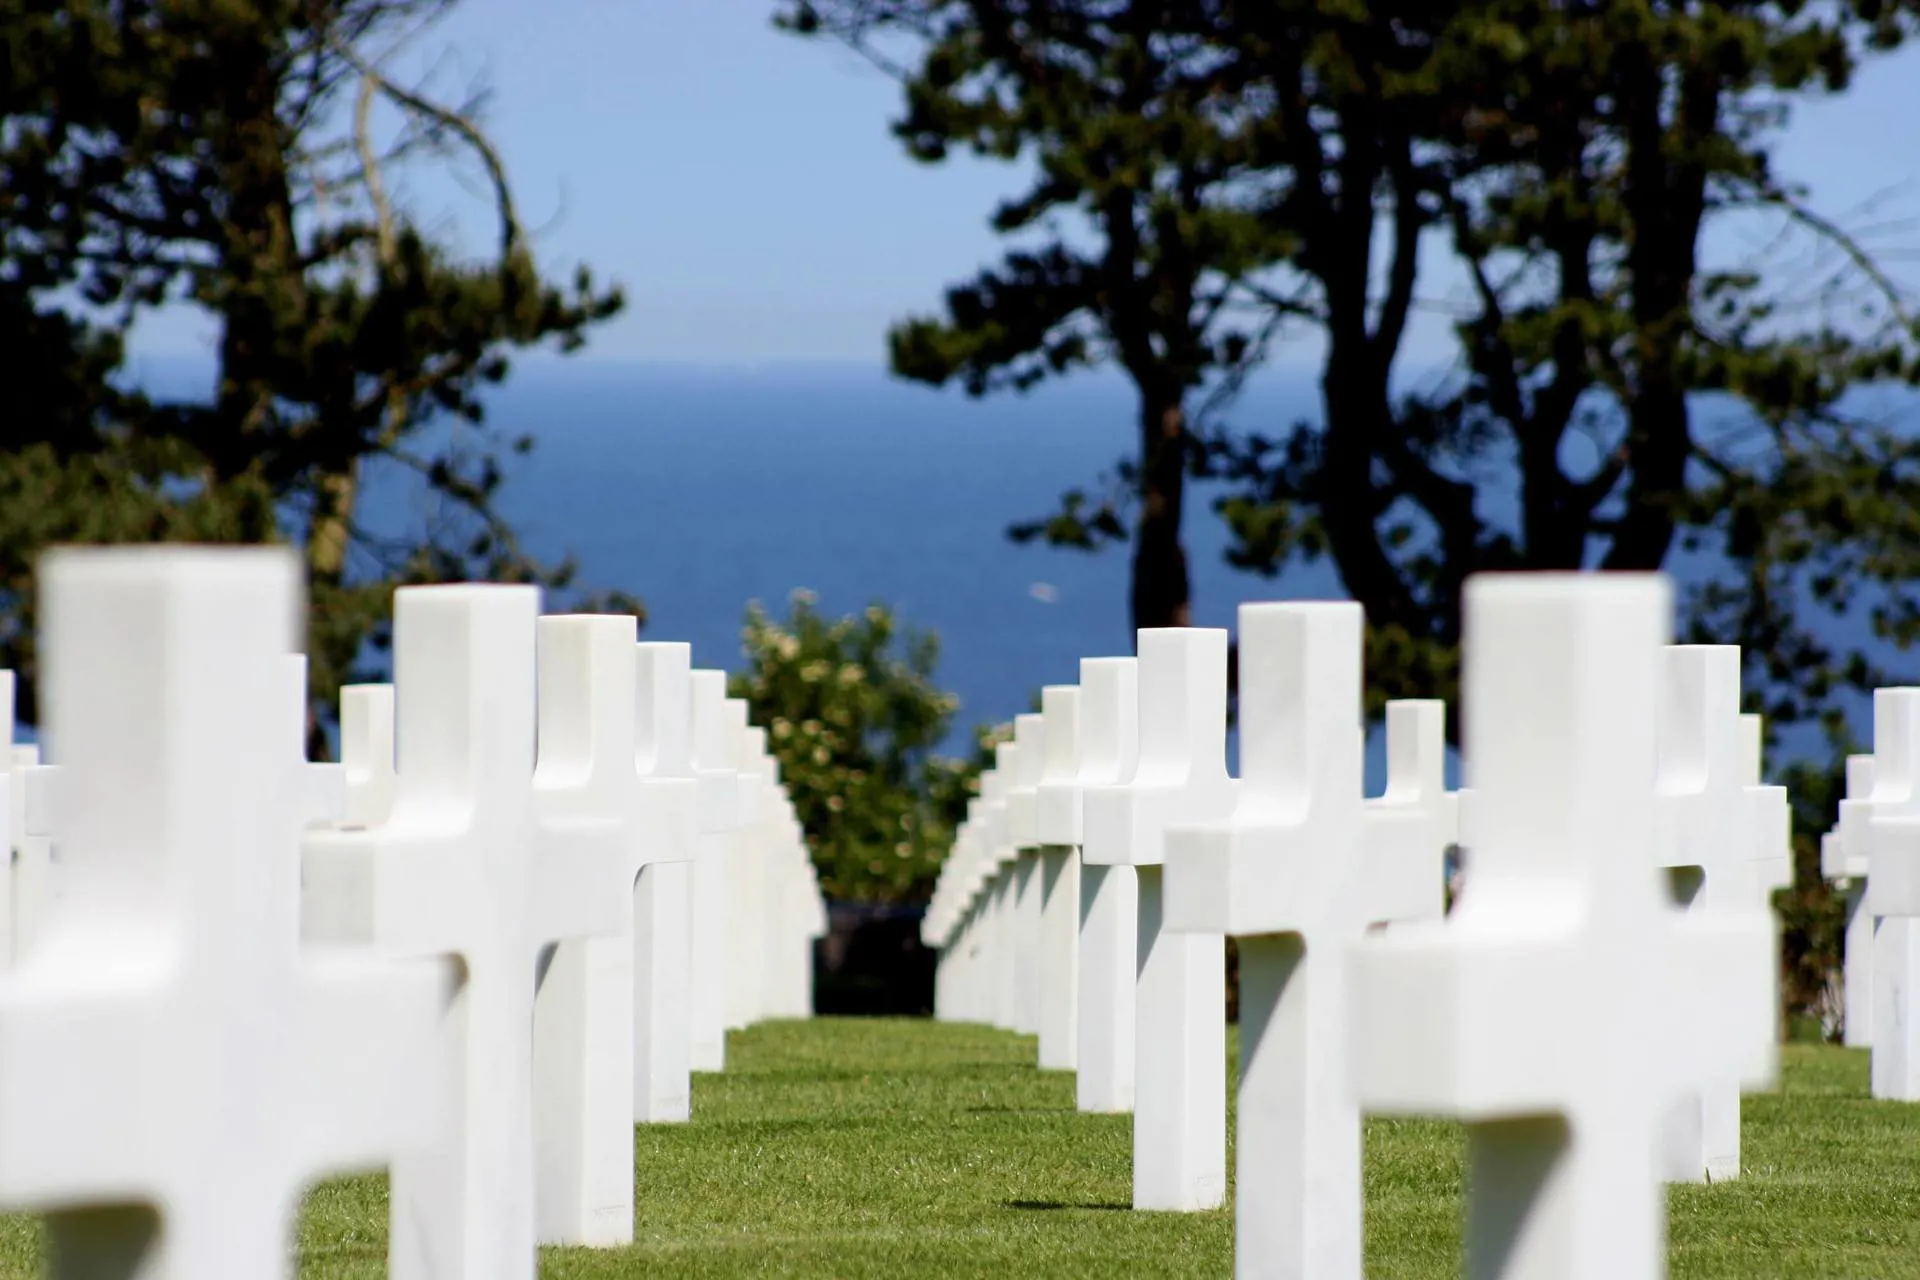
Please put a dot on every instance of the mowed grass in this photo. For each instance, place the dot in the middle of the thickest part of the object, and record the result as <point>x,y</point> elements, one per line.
<point>889,1149</point>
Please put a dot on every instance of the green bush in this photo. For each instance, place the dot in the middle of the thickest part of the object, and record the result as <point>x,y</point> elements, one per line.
<point>853,717</point>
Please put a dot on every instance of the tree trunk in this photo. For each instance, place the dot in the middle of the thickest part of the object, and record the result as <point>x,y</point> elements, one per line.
<point>1161,594</point>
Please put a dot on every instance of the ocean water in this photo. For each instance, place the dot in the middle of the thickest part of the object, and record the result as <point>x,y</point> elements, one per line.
<point>701,489</point>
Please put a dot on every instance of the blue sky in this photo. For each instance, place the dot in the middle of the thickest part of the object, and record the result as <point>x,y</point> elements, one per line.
<point>743,186</point>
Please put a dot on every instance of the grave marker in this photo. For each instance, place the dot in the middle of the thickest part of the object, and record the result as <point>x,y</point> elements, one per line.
<point>590,1080</point>
<point>174,1069</point>
<point>1109,941</point>
<point>323,785</point>
<point>718,804</point>
<point>1023,843</point>
<point>1848,866</point>
<point>366,753</point>
<point>1059,953</point>
<point>1887,823</point>
<point>1180,1104</point>
<point>1769,817</point>
<point>464,867</point>
<point>746,886</point>
<point>997,858</point>
<point>1298,871</point>
<point>1705,826</point>
<point>1565,1006</point>
<point>668,817</point>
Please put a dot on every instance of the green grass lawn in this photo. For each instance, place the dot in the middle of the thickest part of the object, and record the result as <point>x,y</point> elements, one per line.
<point>891,1149</point>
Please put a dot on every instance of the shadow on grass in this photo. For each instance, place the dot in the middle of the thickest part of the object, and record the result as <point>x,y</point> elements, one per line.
<point>1048,1205</point>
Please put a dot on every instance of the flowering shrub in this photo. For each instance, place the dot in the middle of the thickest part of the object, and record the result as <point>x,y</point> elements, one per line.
<point>853,717</point>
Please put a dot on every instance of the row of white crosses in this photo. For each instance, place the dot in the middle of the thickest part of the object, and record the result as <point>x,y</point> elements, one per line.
<point>1875,853</point>
<point>1845,863</point>
<point>475,961</point>
<point>1339,1013</point>
<point>1132,1000</point>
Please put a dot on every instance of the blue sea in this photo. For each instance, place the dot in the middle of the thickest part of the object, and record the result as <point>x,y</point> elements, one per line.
<point>702,489</point>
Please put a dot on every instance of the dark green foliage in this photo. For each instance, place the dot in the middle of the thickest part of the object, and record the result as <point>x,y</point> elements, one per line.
<point>1139,243</point>
<point>852,716</point>
<point>226,154</point>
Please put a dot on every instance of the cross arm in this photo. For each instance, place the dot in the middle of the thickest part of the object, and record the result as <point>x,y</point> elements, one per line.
<point>1246,879</point>
<point>83,1078</point>
<point>1126,825</point>
<point>1769,823</point>
<point>1725,1014</point>
<point>1893,866</point>
<point>668,816</point>
<point>404,887</point>
<point>367,1057</point>
<point>582,879</point>
<point>1403,866</point>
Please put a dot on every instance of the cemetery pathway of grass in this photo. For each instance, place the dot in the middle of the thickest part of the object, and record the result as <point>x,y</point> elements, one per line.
<point>898,1149</point>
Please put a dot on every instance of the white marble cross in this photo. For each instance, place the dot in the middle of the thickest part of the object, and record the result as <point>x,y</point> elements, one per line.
<point>812,921</point>
<point>819,921</point>
<point>982,883</point>
<point>1059,952</point>
<point>1408,855</point>
<point>770,845</point>
<point>1107,750</point>
<point>942,929</point>
<point>174,1069</point>
<point>366,753</point>
<point>1768,816</point>
<point>953,924</point>
<point>1298,871</point>
<point>746,879</point>
<point>1887,825</point>
<point>719,815</point>
<point>1848,866</point>
<point>1565,1006</point>
<point>463,866</point>
<point>1023,840</point>
<point>1180,778</point>
<point>590,1080</point>
<point>980,887</point>
<point>1000,854</point>
<point>669,819</point>
<point>790,949</point>
<point>1706,832</point>
<point>323,785</point>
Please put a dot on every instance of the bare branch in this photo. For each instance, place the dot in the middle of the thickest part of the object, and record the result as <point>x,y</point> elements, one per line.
<point>370,170</point>
<point>512,237</point>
